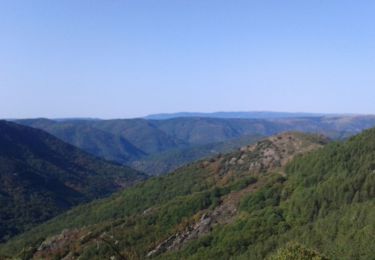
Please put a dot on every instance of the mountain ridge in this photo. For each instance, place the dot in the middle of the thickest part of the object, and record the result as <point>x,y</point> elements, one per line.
<point>137,142</point>
<point>240,114</point>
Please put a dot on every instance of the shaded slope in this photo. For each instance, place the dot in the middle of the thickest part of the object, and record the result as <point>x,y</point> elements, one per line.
<point>41,176</point>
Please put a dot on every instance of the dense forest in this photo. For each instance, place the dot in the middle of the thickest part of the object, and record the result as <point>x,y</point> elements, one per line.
<point>192,190</point>
<point>292,196</point>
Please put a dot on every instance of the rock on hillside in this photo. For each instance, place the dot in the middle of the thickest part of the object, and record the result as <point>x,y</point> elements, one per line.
<point>164,215</point>
<point>275,152</point>
<point>266,156</point>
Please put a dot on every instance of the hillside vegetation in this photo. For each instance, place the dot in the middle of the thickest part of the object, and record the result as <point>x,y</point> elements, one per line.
<point>41,176</point>
<point>181,215</point>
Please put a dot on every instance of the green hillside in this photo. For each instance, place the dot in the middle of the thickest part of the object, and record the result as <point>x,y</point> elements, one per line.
<point>326,202</point>
<point>187,206</point>
<point>41,176</point>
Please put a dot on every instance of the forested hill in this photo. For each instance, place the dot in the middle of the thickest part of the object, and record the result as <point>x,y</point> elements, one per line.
<point>286,196</point>
<point>41,176</point>
<point>182,208</point>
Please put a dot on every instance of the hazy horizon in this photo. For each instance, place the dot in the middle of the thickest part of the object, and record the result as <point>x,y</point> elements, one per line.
<point>127,59</point>
<point>175,114</point>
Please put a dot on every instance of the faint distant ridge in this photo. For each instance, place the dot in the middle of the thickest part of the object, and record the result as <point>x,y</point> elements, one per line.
<point>76,119</point>
<point>240,114</point>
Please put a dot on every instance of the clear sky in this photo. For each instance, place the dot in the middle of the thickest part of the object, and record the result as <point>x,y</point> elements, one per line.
<point>127,58</point>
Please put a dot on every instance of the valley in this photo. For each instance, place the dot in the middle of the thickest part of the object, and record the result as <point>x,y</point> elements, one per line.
<point>287,192</point>
<point>158,147</point>
<point>280,195</point>
<point>187,130</point>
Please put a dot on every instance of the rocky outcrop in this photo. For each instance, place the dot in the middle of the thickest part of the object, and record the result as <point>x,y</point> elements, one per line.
<point>176,241</point>
<point>273,153</point>
<point>268,155</point>
<point>223,214</point>
<point>58,244</point>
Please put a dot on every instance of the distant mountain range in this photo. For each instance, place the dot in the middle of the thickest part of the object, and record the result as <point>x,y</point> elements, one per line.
<point>41,176</point>
<point>160,146</point>
<point>245,115</point>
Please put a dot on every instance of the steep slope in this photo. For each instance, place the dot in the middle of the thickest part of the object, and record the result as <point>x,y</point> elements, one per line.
<point>168,213</point>
<point>326,202</point>
<point>41,176</point>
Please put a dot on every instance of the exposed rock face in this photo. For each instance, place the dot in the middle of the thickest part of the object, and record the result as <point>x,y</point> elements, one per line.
<point>223,214</point>
<point>178,240</point>
<point>273,153</point>
<point>59,244</point>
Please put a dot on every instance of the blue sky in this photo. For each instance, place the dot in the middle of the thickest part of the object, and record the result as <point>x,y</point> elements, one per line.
<point>119,58</point>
